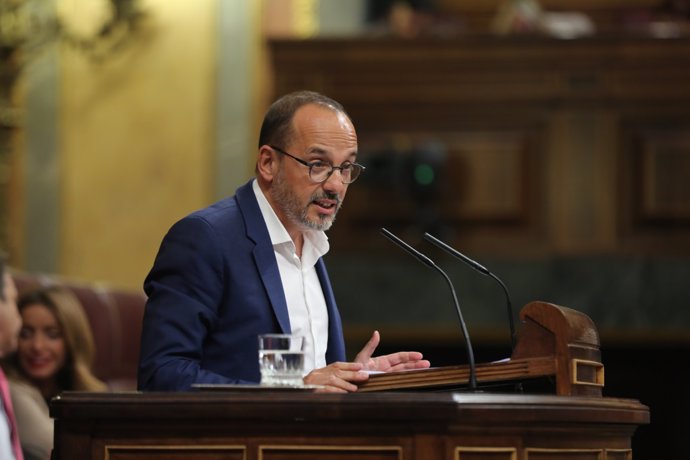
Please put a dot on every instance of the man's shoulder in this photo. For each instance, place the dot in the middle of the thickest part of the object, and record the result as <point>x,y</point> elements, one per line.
<point>216,210</point>
<point>225,208</point>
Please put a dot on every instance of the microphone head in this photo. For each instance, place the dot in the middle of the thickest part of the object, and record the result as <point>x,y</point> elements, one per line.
<point>407,248</point>
<point>454,252</point>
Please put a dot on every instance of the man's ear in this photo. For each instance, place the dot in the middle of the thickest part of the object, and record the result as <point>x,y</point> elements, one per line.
<point>267,163</point>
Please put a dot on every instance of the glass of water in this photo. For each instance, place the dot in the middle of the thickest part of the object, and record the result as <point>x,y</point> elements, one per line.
<point>281,360</point>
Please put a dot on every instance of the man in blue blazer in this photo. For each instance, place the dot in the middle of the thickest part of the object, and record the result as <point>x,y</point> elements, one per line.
<point>252,264</point>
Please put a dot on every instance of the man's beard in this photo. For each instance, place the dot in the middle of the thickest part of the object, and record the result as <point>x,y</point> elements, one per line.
<point>289,203</point>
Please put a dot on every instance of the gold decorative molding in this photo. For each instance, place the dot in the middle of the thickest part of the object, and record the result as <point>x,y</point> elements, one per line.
<point>534,453</point>
<point>619,454</point>
<point>304,450</point>
<point>474,452</point>
<point>120,451</point>
<point>587,372</point>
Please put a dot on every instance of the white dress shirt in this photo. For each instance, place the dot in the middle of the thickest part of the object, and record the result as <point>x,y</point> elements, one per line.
<point>303,294</point>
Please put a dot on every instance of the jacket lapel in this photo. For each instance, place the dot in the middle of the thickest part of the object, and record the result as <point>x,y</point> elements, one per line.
<point>263,254</point>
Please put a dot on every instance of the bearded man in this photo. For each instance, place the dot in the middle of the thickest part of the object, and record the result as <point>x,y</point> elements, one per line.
<point>253,264</point>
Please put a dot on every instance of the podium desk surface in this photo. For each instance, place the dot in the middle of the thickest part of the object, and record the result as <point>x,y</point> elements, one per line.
<point>285,425</point>
<point>273,405</point>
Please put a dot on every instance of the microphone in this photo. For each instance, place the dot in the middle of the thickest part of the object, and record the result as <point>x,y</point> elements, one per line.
<point>429,263</point>
<point>483,270</point>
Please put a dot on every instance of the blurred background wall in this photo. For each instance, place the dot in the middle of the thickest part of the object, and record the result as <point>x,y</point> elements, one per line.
<point>120,130</point>
<point>549,140</point>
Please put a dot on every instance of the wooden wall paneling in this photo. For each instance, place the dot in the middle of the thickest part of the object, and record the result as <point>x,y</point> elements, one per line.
<point>664,182</point>
<point>654,194</point>
<point>486,168</point>
<point>482,181</point>
<point>582,155</point>
<point>565,103</point>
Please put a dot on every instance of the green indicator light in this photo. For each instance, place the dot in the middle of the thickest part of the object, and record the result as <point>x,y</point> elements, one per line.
<point>424,174</point>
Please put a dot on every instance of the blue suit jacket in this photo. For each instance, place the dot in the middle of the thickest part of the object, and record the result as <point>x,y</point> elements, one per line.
<point>213,288</point>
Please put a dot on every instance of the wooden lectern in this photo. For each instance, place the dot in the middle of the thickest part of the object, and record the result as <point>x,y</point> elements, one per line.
<point>262,423</point>
<point>554,341</point>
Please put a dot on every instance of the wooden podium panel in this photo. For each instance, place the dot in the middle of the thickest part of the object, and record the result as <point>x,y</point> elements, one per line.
<point>291,425</point>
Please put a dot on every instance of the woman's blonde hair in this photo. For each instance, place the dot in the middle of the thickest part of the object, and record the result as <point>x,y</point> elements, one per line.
<point>76,374</point>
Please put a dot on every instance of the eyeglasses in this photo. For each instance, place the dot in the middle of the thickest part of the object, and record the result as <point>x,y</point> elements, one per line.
<point>320,171</point>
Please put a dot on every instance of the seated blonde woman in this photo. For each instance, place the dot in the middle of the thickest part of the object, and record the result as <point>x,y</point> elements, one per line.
<point>54,354</point>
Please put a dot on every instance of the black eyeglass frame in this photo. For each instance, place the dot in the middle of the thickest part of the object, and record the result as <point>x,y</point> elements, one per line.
<point>310,165</point>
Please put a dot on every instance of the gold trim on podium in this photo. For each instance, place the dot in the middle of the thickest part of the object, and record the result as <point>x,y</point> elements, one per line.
<point>578,364</point>
<point>177,448</point>
<point>627,454</point>
<point>512,451</point>
<point>563,454</point>
<point>397,450</point>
